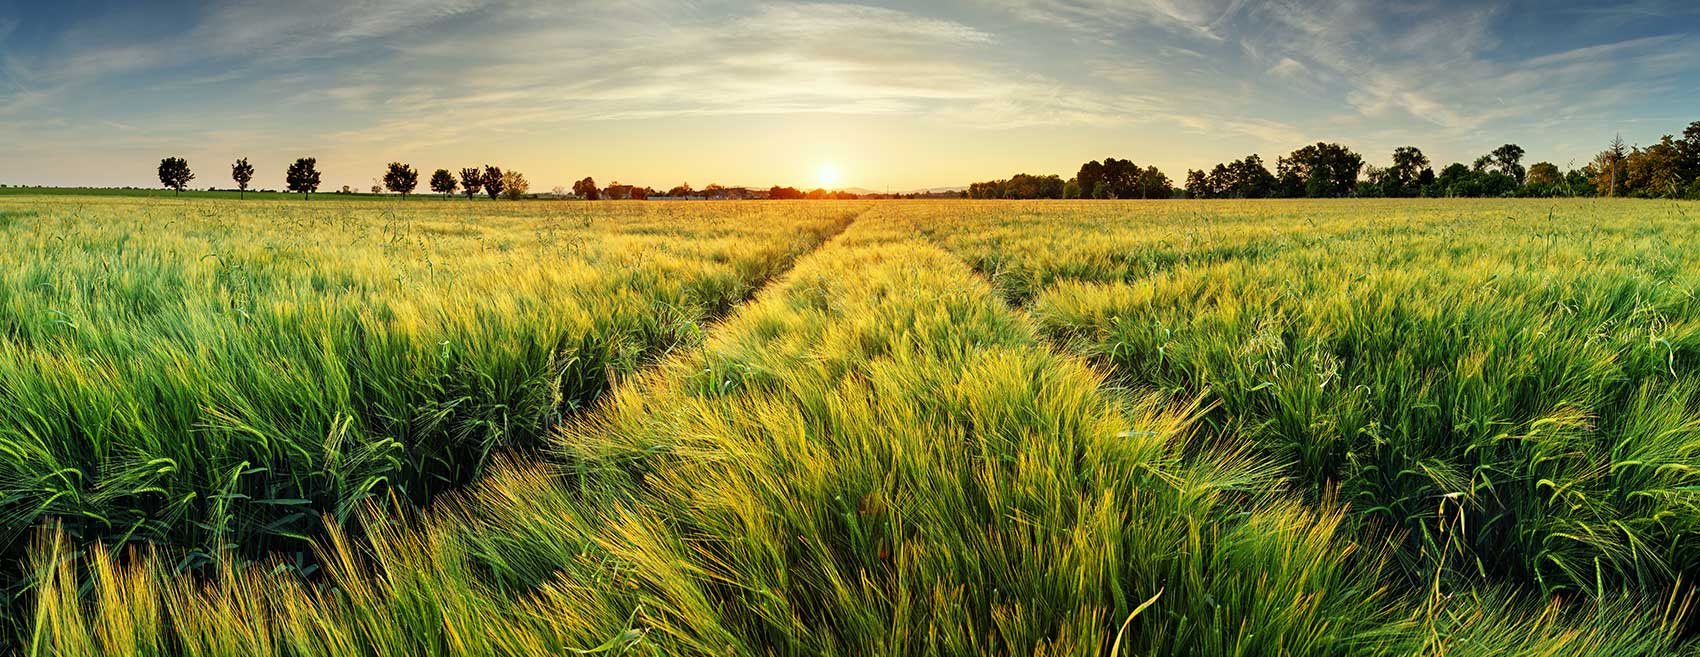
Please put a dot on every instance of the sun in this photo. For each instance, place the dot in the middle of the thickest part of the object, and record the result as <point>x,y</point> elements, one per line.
<point>828,176</point>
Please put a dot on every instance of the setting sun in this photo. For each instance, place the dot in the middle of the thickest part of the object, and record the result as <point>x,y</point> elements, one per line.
<point>828,176</point>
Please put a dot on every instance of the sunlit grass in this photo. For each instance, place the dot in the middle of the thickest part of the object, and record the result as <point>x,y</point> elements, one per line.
<point>214,376</point>
<point>1000,428</point>
<point>1512,384</point>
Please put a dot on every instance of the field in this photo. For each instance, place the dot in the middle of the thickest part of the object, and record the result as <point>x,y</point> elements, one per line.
<point>820,428</point>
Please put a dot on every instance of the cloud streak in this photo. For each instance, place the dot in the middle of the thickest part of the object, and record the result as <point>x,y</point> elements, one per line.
<point>1225,74</point>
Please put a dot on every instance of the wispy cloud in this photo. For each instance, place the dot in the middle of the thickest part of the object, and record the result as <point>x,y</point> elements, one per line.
<point>370,76</point>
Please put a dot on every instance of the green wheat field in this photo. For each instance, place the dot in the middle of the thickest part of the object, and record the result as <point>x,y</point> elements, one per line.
<point>1216,428</point>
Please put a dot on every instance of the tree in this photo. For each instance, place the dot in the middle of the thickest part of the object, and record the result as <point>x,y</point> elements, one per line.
<point>1197,184</point>
<point>1153,183</point>
<point>471,181</point>
<point>1455,180</point>
<point>1509,159</point>
<point>1544,174</point>
<point>303,176</point>
<point>443,182</point>
<point>1115,178</point>
<point>1090,174</point>
<point>586,189</point>
<point>174,174</point>
<point>1242,178</point>
<point>1320,170</point>
<point>986,190</point>
<point>1688,150</point>
<point>1025,186</point>
<point>493,183</point>
<point>1608,167</point>
<point>243,173</point>
<point>1579,182</point>
<point>401,178</point>
<point>1407,176</point>
<point>1654,171</point>
<point>514,185</point>
<point>684,189</point>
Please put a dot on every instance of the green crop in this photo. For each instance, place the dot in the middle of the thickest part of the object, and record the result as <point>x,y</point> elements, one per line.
<point>1006,428</point>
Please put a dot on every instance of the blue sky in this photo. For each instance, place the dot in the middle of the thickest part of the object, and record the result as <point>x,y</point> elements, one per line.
<point>896,95</point>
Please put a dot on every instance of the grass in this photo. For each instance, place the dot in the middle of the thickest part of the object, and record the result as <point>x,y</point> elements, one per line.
<point>1511,384</point>
<point>948,431</point>
<point>214,377</point>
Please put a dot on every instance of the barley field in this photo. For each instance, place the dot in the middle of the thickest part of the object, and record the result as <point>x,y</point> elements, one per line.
<point>1395,427</point>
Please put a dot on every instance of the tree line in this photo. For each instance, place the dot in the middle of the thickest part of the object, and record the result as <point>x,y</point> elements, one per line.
<point>1669,168</point>
<point>302,177</point>
<point>1109,179</point>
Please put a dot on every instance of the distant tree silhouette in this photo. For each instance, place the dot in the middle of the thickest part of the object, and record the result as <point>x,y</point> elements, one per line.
<point>174,174</point>
<point>401,178</point>
<point>493,183</point>
<point>586,189</point>
<point>1198,184</point>
<point>514,185</point>
<point>303,176</point>
<point>1608,166</point>
<point>1321,170</point>
<point>242,172</point>
<point>443,182</point>
<point>1409,174</point>
<point>471,181</point>
<point>1115,178</point>
<point>1509,159</point>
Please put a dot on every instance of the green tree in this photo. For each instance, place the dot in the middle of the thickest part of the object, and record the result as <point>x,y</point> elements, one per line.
<point>493,183</point>
<point>1242,178</point>
<point>1408,174</point>
<point>1456,180</point>
<point>1688,151</point>
<point>1197,184</point>
<point>1025,186</point>
<point>303,176</point>
<point>1153,183</point>
<point>1090,174</point>
<point>401,178</point>
<point>243,173</point>
<point>1509,160</point>
<point>471,181</point>
<point>443,182</point>
<point>586,189</point>
<point>174,174</point>
<point>1322,169</point>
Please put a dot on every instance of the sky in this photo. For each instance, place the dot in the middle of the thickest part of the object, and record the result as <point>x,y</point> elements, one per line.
<point>890,95</point>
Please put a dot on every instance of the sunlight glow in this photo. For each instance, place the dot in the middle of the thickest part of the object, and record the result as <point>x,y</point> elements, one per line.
<point>828,176</point>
